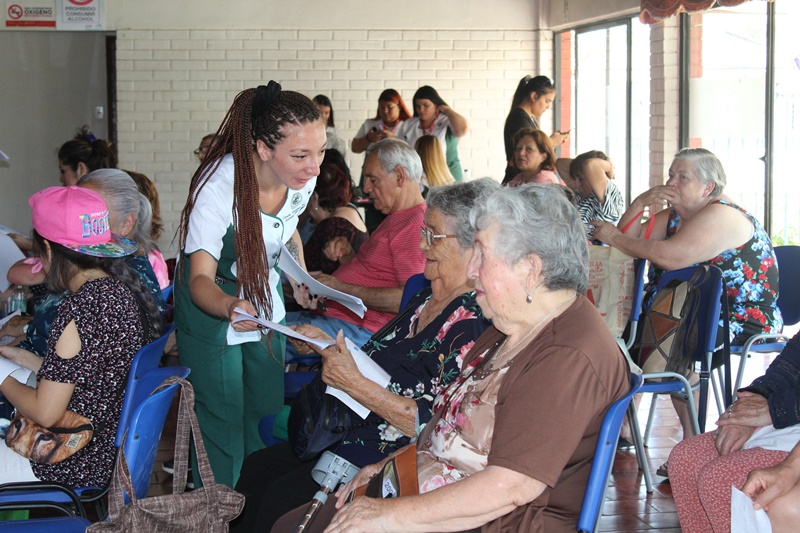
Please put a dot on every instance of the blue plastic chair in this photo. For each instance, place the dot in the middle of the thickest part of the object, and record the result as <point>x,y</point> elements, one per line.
<point>603,460</point>
<point>41,494</point>
<point>147,423</point>
<point>789,304</point>
<point>413,285</point>
<point>62,524</point>
<point>640,266</point>
<point>146,359</point>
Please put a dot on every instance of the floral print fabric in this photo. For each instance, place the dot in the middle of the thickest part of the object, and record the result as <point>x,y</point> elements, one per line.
<point>421,363</point>
<point>751,278</point>
<point>459,444</point>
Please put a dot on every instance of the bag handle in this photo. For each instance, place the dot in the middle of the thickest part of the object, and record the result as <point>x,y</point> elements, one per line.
<point>651,222</point>
<point>187,421</point>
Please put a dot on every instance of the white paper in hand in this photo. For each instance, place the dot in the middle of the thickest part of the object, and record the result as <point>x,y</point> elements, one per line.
<point>287,263</point>
<point>744,518</point>
<point>20,373</point>
<point>371,371</point>
<point>289,332</point>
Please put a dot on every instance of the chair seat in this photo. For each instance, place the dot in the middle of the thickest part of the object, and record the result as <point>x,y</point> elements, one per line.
<point>662,387</point>
<point>760,348</point>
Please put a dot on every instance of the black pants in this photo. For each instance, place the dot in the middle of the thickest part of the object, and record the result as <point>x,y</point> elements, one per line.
<point>274,482</point>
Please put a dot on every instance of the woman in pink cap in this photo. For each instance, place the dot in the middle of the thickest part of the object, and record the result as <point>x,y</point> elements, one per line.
<point>106,316</point>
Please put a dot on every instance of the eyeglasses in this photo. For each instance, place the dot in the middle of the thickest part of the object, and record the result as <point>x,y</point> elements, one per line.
<point>202,150</point>
<point>430,237</point>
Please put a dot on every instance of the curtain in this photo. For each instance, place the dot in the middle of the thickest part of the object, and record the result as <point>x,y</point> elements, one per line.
<point>657,10</point>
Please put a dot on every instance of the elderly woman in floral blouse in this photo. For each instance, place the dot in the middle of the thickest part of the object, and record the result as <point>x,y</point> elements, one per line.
<point>422,350</point>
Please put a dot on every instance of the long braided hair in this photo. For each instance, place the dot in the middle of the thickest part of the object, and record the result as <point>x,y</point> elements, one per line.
<point>256,114</point>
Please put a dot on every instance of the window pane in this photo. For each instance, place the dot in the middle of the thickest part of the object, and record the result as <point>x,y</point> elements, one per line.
<point>726,96</point>
<point>786,186</point>
<point>601,96</point>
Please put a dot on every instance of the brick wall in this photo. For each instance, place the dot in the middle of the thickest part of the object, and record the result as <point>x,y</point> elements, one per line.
<point>664,89</point>
<point>175,86</point>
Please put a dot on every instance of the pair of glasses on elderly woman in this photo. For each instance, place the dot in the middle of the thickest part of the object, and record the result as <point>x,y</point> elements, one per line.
<point>431,237</point>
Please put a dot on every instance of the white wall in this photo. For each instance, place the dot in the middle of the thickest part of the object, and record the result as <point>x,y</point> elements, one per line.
<point>565,13</point>
<point>175,80</point>
<point>50,84</point>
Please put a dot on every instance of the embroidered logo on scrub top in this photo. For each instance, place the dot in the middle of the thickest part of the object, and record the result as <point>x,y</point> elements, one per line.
<point>296,199</point>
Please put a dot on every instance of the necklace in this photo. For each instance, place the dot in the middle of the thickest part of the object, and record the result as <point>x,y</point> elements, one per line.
<point>428,131</point>
<point>486,369</point>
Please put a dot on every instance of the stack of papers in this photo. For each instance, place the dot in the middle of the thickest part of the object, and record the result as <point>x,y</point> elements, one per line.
<point>369,368</point>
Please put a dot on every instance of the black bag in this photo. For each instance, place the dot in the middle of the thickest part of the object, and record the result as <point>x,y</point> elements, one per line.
<point>317,421</point>
<point>669,333</point>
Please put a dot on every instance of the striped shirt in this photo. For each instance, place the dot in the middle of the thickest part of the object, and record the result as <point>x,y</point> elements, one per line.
<point>390,256</point>
<point>591,209</point>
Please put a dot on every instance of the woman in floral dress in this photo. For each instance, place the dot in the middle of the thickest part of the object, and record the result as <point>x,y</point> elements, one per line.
<point>421,349</point>
<point>703,226</point>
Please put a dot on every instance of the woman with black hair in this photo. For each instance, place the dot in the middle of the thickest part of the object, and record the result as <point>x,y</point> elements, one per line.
<point>534,96</point>
<point>83,154</point>
<point>243,203</point>
<point>326,110</point>
<point>106,316</point>
<point>432,116</point>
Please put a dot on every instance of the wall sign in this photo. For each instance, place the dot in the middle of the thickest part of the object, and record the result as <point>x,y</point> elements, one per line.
<point>30,14</point>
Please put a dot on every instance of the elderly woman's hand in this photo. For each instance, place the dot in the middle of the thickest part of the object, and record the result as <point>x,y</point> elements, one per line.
<point>312,332</point>
<point>604,231</point>
<point>748,410</point>
<point>766,484</point>
<point>339,369</point>
<point>361,478</point>
<point>658,195</point>
<point>363,514</point>
<point>731,438</point>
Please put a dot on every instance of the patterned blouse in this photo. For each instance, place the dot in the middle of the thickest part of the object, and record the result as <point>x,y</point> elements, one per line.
<point>421,364</point>
<point>47,306</point>
<point>106,314</point>
<point>590,207</point>
<point>751,278</point>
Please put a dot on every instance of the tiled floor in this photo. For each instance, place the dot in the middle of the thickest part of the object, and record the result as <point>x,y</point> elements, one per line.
<point>628,507</point>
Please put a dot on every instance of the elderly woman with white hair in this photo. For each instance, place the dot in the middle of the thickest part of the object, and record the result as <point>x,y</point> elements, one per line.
<point>518,427</point>
<point>130,217</point>
<point>704,226</point>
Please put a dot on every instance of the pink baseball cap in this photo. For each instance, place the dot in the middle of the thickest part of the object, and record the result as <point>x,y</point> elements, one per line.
<point>77,218</point>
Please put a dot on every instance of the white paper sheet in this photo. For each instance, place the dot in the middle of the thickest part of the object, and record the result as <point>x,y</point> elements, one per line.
<point>8,230</point>
<point>287,263</point>
<point>9,254</point>
<point>371,371</point>
<point>744,518</point>
<point>369,368</point>
<point>3,156</point>
<point>20,373</point>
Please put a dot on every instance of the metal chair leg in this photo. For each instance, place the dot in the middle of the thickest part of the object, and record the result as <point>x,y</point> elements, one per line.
<point>649,427</point>
<point>641,458</point>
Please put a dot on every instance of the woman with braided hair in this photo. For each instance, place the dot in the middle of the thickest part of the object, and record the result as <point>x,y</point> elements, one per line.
<point>244,201</point>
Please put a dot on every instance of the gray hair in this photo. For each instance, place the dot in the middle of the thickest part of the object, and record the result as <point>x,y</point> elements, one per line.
<point>707,167</point>
<point>123,198</point>
<point>538,219</point>
<point>393,153</point>
<point>455,201</point>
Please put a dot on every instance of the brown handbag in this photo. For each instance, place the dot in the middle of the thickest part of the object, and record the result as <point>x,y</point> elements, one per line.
<point>397,478</point>
<point>50,445</point>
<point>208,509</point>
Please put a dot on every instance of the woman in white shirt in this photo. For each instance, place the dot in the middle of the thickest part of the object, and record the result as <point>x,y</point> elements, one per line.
<point>392,111</point>
<point>243,203</point>
<point>432,116</point>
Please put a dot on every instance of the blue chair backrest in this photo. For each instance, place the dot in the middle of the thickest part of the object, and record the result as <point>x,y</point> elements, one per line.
<point>710,305</point>
<point>789,295</point>
<point>413,285</point>
<point>638,289</point>
<point>146,359</point>
<point>603,460</point>
<point>166,292</point>
<point>146,424</point>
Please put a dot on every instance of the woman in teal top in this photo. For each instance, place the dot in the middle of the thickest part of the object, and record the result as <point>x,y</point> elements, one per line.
<point>243,203</point>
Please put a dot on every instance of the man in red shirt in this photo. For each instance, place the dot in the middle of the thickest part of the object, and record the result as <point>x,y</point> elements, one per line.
<point>378,273</point>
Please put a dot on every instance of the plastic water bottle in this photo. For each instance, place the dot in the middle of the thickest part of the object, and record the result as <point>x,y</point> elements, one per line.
<point>19,299</point>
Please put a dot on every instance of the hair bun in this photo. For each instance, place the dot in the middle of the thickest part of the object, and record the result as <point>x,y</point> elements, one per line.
<point>265,94</point>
